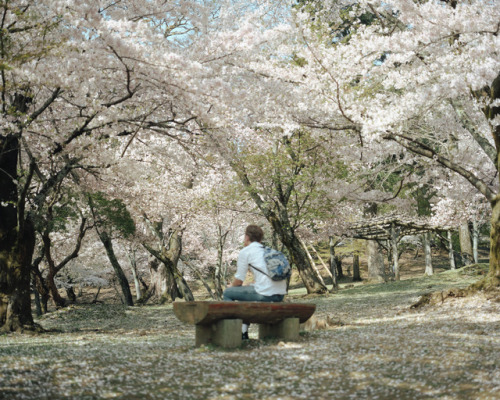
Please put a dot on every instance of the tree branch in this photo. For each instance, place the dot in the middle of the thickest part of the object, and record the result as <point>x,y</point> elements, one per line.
<point>424,150</point>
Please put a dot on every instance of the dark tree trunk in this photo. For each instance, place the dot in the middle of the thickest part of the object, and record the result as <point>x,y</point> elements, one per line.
<point>333,264</point>
<point>17,244</point>
<point>70,292</point>
<point>120,275</point>
<point>166,276</point>
<point>356,277</point>
<point>338,263</point>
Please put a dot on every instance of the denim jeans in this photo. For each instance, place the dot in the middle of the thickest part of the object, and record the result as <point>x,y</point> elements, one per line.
<point>248,293</point>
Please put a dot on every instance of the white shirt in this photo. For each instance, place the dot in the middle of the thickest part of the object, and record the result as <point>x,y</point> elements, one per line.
<point>254,254</point>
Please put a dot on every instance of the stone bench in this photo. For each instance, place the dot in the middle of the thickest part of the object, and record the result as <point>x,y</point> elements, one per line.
<point>219,322</point>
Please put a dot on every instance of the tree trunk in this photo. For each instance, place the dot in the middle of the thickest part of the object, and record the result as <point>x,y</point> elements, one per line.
<point>356,277</point>
<point>120,275</point>
<point>333,264</point>
<point>168,276</point>
<point>17,244</point>
<point>376,267</point>
<point>493,277</point>
<point>475,241</point>
<point>340,271</point>
<point>429,269</point>
<point>70,292</point>
<point>51,284</point>
<point>217,276</point>
<point>137,283</point>
<point>465,243</point>
<point>162,283</point>
<point>395,254</point>
<point>38,304</point>
<point>450,251</point>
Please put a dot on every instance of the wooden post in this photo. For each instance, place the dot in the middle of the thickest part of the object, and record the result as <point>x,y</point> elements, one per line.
<point>429,270</point>
<point>395,258</point>
<point>288,329</point>
<point>225,333</point>
<point>450,254</point>
<point>475,240</point>
<point>356,277</point>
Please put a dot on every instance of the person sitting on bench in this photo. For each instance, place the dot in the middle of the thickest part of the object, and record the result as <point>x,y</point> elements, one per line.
<point>264,289</point>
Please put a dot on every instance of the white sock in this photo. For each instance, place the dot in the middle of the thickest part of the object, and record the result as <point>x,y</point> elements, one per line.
<point>244,328</point>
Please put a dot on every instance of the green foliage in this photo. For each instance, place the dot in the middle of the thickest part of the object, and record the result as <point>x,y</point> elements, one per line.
<point>111,214</point>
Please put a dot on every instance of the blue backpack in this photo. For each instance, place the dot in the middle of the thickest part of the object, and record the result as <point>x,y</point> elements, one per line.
<point>278,267</point>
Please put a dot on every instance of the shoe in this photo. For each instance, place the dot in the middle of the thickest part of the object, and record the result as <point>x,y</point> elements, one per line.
<point>244,336</point>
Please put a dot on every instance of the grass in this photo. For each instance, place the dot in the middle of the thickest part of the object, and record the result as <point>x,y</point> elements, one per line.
<point>381,349</point>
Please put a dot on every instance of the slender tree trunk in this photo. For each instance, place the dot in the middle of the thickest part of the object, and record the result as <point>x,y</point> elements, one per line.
<point>42,290</point>
<point>333,264</point>
<point>493,277</point>
<point>54,291</point>
<point>356,277</point>
<point>217,276</point>
<point>38,304</point>
<point>475,241</point>
<point>120,275</point>
<point>395,254</point>
<point>450,251</point>
<point>340,271</point>
<point>429,269</point>
<point>465,243</point>
<point>133,264</point>
<point>376,267</point>
<point>17,245</point>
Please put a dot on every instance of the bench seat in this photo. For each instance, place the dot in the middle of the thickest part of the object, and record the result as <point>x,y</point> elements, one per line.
<point>219,322</point>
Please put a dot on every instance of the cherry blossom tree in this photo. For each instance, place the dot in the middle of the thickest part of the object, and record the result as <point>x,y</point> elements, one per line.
<point>424,76</point>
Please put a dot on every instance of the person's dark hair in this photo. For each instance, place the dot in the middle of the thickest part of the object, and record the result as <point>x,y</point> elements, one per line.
<point>254,233</point>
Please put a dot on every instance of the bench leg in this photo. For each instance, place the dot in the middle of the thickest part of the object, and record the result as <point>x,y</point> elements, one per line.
<point>288,329</point>
<point>225,333</point>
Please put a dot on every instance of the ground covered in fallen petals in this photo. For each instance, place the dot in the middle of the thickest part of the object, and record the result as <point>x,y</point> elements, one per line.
<point>376,347</point>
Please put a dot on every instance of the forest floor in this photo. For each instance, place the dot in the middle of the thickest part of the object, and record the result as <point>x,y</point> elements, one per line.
<point>374,347</point>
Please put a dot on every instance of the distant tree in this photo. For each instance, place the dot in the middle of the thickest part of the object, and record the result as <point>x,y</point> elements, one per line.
<point>111,220</point>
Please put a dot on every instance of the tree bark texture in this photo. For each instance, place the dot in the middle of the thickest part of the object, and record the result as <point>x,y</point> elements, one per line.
<point>376,267</point>
<point>429,269</point>
<point>168,276</point>
<point>356,277</point>
<point>17,244</point>
<point>493,278</point>
<point>475,241</point>
<point>137,283</point>
<point>451,255</point>
<point>120,275</point>
<point>333,264</point>
<point>465,243</point>
<point>394,251</point>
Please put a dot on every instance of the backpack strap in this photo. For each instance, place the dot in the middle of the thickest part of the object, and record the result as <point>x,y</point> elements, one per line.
<point>258,269</point>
